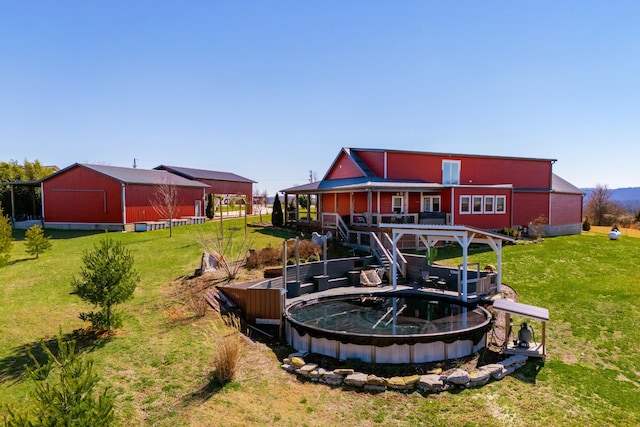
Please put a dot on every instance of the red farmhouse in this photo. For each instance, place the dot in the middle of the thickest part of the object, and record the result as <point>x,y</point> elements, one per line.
<point>374,187</point>
<point>220,183</point>
<point>84,196</point>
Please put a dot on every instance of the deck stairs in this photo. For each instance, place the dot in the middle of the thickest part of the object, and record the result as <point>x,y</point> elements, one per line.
<point>382,249</point>
<point>378,243</point>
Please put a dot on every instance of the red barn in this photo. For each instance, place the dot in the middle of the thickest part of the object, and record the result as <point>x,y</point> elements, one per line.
<point>375,187</point>
<point>220,183</point>
<point>84,196</point>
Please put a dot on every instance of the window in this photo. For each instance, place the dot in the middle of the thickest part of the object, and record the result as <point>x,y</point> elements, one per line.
<point>465,204</point>
<point>477,204</point>
<point>431,204</point>
<point>396,204</point>
<point>450,172</point>
<point>488,204</point>
<point>501,204</point>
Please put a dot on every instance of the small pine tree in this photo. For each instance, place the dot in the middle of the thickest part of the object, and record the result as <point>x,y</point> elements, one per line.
<point>35,241</point>
<point>586,225</point>
<point>209,209</point>
<point>277,218</point>
<point>69,397</point>
<point>107,279</point>
<point>6,238</point>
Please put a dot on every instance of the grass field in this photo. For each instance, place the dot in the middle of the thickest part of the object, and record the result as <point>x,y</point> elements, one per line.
<point>158,364</point>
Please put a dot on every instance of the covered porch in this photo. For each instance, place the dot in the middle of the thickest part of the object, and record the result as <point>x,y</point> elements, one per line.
<point>366,206</point>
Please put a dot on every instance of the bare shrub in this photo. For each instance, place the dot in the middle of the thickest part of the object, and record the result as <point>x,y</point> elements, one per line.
<point>268,256</point>
<point>226,339</point>
<point>230,250</point>
<point>196,302</point>
<point>265,256</point>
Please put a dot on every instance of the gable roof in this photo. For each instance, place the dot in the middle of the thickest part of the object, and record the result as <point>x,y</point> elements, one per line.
<point>559,185</point>
<point>191,173</point>
<point>135,176</point>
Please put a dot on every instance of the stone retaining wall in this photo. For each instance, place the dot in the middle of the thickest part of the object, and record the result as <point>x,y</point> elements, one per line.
<point>433,382</point>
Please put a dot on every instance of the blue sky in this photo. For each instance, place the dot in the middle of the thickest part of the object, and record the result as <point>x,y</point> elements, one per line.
<point>271,90</point>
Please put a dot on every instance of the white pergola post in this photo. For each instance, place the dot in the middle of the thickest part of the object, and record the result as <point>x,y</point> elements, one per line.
<point>394,257</point>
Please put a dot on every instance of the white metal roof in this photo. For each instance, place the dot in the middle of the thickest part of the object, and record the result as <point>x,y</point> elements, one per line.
<point>530,311</point>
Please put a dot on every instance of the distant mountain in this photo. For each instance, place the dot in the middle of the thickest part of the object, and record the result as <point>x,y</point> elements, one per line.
<point>626,197</point>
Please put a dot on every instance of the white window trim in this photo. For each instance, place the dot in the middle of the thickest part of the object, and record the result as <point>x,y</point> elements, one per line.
<point>504,205</point>
<point>431,200</point>
<point>468,204</point>
<point>459,171</point>
<point>474,199</point>
<point>393,204</point>
<point>493,204</point>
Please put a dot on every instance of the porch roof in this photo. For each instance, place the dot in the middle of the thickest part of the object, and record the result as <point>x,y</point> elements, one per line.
<point>363,184</point>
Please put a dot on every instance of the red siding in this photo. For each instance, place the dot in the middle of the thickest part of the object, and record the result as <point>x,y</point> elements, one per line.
<point>140,207</point>
<point>344,168</point>
<point>375,161</point>
<point>344,204</point>
<point>414,203</point>
<point>230,187</point>
<point>83,196</point>
<point>328,203</point>
<point>521,173</point>
<point>566,209</point>
<point>414,166</point>
<point>360,203</point>
<point>529,206</point>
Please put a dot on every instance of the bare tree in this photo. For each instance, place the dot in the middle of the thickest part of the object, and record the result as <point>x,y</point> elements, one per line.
<point>165,201</point>
<point>599,206</point>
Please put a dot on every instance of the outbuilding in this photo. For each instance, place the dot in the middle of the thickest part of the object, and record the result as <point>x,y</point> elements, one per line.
<point>86,196</point>
<point>222,184</point>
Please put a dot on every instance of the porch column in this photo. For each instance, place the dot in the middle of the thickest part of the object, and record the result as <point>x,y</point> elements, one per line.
<point>465,254</point>
<point>13,206</point>
<point>499,277</point>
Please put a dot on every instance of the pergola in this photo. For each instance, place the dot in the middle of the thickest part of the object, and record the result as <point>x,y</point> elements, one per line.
<point>430,235</point>
<point>12,185</point>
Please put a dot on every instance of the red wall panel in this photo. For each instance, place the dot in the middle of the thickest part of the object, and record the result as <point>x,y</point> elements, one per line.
<point>344,204</point>
<point>140,206</point>
<point>344,168</point>
<point>521,173</point>
<point>528,206</point>
<point>360,203</point>
<point>414,166</point>
<point>82,195</point>
<point>373,159</point>
<point>230,187</point>
<point>566,209</point>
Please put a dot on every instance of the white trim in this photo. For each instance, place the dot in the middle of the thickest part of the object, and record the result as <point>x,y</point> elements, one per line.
<point>493,204</point>
<point>462,212</point>
<point>504,205</point>
<point>393,204</point>
<point>474,199</point>
<point>431,199</point>
<point>450,181</point>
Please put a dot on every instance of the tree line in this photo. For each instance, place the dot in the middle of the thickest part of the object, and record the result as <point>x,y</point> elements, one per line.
<point>600,209</point>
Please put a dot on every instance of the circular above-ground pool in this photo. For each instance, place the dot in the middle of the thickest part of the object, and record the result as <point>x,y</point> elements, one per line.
<point>387,328</point>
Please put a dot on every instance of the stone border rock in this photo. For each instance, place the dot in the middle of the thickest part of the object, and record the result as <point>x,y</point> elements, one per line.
<point>433,382</point>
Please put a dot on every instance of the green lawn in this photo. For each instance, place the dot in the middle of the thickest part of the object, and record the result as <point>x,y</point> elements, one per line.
<point>158,363</point>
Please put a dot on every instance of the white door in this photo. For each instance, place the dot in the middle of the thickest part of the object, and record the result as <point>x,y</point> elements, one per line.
<point>197,208</point>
